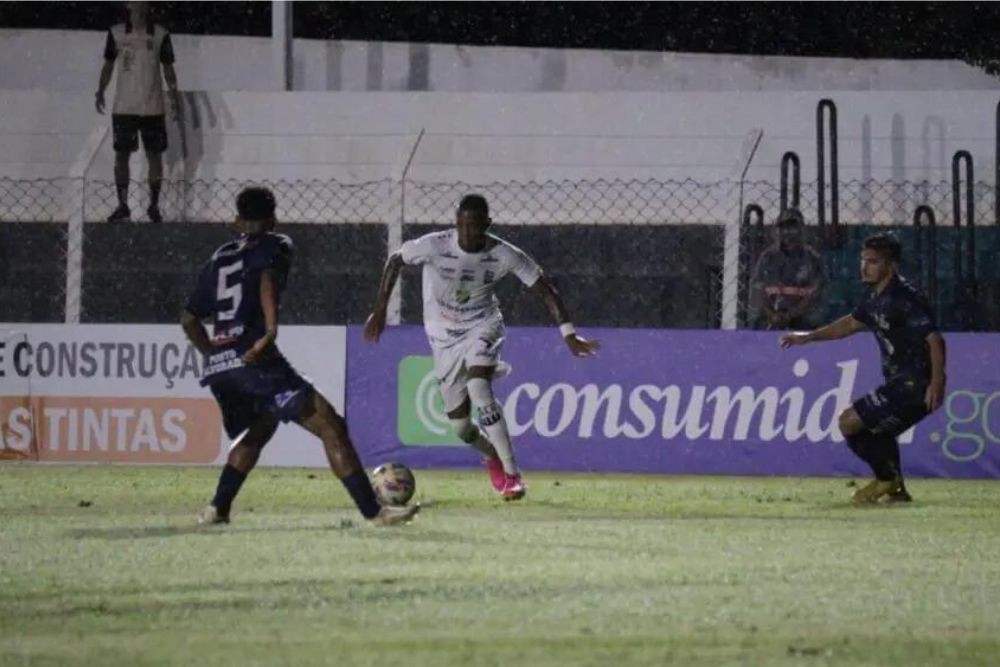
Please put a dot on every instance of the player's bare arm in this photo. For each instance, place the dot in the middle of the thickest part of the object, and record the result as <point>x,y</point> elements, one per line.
<point>936,388</point>
<point>375,324</point>
<point>195,332</point>
<point>579,346</point>
<point>170,76</point>
<point>269,306</point>
<point>102,85</point>
<point>836,330</point>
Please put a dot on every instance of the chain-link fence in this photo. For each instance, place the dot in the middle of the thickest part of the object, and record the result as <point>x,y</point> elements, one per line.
<point>33,254</point>
<point>648,253</point>
<point>877,202</point>
<point>33,200</point>
<point>302,201</point>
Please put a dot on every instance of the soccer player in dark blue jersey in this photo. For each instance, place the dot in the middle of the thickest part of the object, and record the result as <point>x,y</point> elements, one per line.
<point>238,291</point>
<point>913,364</point>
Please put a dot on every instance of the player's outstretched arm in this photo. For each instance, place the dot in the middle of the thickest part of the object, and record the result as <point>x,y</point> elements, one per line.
<point>841,328</point>
<point>375,324</point>
<point>269,307</point>
<point>195,332</point>
<point>580,347</point>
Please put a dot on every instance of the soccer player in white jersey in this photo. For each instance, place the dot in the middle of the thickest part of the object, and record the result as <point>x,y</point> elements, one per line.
<point>141,48</point>
<point>462,319</point>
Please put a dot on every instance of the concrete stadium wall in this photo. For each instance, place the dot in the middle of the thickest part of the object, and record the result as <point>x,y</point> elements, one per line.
<point>481,138</point>
<point>70,61</point>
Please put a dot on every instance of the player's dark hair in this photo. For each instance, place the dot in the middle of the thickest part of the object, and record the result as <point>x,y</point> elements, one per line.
<point>255,203</point>
<point>475,204</point>
<point>790,217</point>
<point>884,244</point>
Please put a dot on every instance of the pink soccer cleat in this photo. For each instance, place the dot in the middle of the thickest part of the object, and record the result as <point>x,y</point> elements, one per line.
<point>514,488</point>
<point>497,476</point>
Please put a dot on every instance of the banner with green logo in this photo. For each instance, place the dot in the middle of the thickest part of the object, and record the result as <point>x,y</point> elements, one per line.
<point>674,401</point>
<point>420,414</point>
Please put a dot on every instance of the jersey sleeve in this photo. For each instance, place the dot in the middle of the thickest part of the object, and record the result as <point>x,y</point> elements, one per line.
<point>110,48</point>
<point>917,316</point>
<point>862,314</point>
<point>201,301</point>
<point>417,251</point>
<point>522,265</point>
<point>167,50</point>
<point>279,260</point>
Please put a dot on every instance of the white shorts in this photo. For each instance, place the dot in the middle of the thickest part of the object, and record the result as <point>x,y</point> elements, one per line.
<point>479,346</point>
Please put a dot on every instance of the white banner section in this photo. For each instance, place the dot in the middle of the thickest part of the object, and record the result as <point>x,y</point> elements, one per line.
<point>130,394</point>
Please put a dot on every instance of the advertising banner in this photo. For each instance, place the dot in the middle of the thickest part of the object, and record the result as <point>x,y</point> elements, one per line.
<point>130,394</point>
<point>674,401</point>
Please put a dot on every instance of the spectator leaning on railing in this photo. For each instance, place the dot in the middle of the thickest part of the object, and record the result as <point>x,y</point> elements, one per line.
<point>788,279</point>
<point>140,47</point>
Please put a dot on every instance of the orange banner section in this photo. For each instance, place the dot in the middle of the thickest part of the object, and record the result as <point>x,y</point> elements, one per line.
<point>127,430</point>
<point>16,438</point>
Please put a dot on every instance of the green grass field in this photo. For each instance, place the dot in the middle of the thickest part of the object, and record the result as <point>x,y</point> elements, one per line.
<point>588,570</point>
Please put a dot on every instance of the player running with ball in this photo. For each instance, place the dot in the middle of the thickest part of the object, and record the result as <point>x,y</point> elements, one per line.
<point>463,323</point>
<point>239,292</point>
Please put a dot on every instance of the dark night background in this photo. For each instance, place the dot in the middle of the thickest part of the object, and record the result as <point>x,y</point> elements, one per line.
<point>966,30</point>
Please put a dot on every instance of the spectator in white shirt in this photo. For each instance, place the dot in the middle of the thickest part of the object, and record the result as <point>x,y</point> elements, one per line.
<point>140,47</point>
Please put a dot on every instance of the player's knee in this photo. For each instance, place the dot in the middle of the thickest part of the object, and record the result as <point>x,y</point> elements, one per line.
<point>465,429</point>
<point>848,422</point>
<point>480,391</point>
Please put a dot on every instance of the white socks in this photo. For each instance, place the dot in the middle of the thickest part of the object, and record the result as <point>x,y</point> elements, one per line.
<point>473,436</point>
<point>492,420</point>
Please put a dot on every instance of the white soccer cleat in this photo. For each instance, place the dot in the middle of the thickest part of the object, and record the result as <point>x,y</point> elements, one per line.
<point>209,515</point>
<point>393,515</point>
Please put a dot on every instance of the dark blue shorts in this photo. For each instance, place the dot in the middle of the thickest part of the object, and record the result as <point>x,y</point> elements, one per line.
<point>272,387</point>
<point>894,407</point>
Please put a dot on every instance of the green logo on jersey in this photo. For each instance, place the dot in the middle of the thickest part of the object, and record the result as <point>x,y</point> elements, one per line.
<point>420,417</point>
<point>462,294</point>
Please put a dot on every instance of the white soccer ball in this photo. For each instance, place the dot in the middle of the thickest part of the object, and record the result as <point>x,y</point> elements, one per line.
<point>394,483</point>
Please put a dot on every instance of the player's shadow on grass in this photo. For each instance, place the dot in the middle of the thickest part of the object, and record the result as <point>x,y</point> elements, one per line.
<point>290,594</point>
<point>132,533</point>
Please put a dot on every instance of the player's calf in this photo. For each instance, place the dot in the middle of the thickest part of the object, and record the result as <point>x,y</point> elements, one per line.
<point>491,418</point>
<point>473,436</point>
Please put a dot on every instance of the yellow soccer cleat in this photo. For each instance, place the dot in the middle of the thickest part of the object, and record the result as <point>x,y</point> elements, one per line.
<point>875,489</point>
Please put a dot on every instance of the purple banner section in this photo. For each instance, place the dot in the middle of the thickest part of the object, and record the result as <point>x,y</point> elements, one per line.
<point>674,401</point>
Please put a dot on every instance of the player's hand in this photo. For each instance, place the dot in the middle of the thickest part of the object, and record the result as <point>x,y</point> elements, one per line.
<point>254,354</point>
<point>175,108</point>
<point>581,347</point>
<point>374,326</point>
<point>792,339</point>
<point>935,395</point>
<point>99,102</point>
